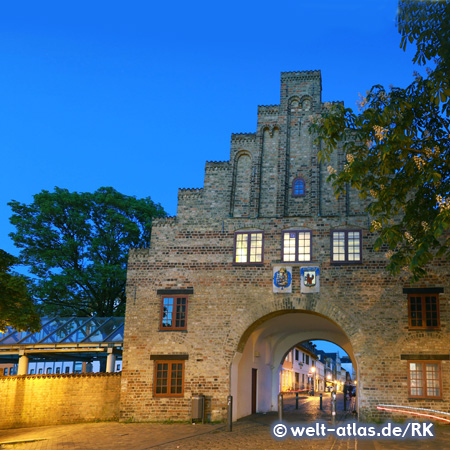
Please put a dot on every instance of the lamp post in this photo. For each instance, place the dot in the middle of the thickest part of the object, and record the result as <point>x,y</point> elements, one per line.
<point>313,370</point>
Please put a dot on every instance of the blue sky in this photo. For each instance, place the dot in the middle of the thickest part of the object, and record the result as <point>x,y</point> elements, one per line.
<point>138,95</point>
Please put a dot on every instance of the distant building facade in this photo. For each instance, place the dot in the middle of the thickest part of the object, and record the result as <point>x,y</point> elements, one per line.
<point>264,257</point>
<point>299,369</point>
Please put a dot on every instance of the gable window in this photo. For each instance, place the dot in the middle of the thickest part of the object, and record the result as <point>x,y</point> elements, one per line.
<point>169,378</point>
<point>423,311</point>
<point>248,247</point>
<point>174,313</point>
<point>425,379</point>
<point>296,246</point>
<point>346,246</point>
<point>298,187</point>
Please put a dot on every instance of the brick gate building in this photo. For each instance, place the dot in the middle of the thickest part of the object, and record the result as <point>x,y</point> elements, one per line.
<point>264,257</point>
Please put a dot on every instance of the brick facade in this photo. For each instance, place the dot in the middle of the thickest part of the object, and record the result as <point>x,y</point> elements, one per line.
<point>233,307</point>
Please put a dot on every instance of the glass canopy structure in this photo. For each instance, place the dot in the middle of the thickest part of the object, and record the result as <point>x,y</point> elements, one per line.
<point>65,338</point>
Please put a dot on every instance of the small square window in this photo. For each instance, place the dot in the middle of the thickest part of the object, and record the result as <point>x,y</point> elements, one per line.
<point>169,379</point>
<point>346,246</point>
<point>423,311</point>
<point>425,379</point>
<point>248,247</point>
<point>297,246</point>
<point>174,313</point>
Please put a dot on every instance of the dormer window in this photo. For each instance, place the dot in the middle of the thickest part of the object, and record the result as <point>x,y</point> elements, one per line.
<point>298,187</point>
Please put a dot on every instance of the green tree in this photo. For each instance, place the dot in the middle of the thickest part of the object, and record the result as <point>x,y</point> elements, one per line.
<point>76,245</point>
<point>16,305</point>
<point>397,147</point>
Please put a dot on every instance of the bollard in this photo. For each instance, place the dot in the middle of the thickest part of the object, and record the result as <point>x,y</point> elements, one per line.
<point>230,413</point>
<point>333,407</point>
<point>321,402</point>
<point>296,400</point>
<point>280,407</point>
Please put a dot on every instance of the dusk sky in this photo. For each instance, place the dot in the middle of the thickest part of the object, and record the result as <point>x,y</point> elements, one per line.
<point>138,95</point>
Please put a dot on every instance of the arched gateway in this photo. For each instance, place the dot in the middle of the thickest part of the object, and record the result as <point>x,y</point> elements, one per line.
<point>255,370</point>
<point>249,268</point>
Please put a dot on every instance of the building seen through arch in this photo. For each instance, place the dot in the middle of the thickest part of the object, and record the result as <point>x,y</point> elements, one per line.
<point>262,258</point>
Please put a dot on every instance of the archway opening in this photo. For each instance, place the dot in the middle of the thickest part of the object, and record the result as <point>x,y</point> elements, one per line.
<point>257,365</point>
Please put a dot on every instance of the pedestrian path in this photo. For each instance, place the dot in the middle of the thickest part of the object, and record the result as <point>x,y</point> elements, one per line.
<point>250,433</point>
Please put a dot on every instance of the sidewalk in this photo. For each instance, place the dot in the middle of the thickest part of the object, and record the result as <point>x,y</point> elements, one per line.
<point>250,433</point>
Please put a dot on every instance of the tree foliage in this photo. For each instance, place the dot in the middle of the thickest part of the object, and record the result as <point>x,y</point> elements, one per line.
<point>76,245</point>
<point>397,147</point>
<point>16,305</point>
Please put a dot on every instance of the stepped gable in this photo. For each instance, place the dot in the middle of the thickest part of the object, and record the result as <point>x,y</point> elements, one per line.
<point>335,102</point>
<point>268,110</point>
<point>303,75</point>
<point>217,165</point>
<point>243,137</point>
<point>164,221</point>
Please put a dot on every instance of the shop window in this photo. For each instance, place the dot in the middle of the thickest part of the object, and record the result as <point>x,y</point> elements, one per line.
<point>169,379</point>
<point>298,187</point>
<point>425,379</point>
<point>346,246</point>
<point>296,246</point>
<point>248,247</point>
<point>423,311</point>
<point>174,313</point>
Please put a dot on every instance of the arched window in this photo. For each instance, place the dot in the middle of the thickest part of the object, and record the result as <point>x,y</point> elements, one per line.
<point>298,187</point>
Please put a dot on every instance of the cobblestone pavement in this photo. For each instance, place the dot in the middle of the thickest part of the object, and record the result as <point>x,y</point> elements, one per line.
<point>250,433</point>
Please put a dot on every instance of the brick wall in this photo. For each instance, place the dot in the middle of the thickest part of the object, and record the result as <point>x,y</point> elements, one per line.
<point>36,400</point>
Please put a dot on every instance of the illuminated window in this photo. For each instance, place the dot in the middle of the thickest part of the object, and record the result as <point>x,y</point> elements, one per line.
<point>296,246</point>
<point>248,247</point>
<point>169,379</point>
<point>174,313</point>
<point>346,246</point>
<point>425,379</point>
<point>298,187</point>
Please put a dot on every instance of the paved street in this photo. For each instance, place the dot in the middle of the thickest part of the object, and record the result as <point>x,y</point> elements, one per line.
<point>251,433</point>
